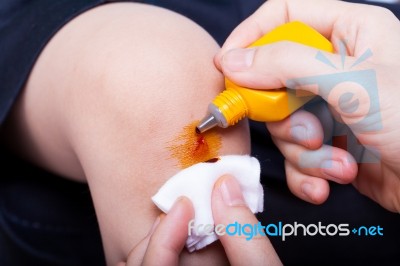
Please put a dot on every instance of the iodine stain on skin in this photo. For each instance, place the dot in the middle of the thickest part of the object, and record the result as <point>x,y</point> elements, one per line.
<point>190,147</point>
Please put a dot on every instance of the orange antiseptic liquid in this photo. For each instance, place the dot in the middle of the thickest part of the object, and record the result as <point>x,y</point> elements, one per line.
<point>189,148</point>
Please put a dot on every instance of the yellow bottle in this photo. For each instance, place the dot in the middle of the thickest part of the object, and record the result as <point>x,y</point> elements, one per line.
<point>235,102</point>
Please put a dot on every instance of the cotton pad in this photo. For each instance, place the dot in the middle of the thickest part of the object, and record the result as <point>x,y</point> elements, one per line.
<point>196,183</point>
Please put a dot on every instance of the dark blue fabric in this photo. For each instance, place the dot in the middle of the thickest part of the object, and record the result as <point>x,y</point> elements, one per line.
<point>25,28</point>
<point>217,17</point>
<point>46,220</point>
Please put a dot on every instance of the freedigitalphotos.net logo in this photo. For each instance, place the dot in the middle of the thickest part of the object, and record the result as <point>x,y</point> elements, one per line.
<point>251,231</point>
<point>355,94</point>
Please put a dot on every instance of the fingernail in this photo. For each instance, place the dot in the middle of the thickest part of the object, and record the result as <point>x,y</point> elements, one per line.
<point>307,190</point>
<point>231,192</point>
<point>299,133</point>
<point>333,169</point>
<point>238,59</point>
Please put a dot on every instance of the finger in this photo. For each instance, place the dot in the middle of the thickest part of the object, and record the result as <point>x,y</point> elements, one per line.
<point>308,188</point>
<point>327,162</point>
<point>136,255</point>
<point>228,207</point>
<point>287,64</point>
<point>302,128</point>
<point>272,66</point>
<point>170,236</point>
<point>322,111</point>
<point>274,13</point>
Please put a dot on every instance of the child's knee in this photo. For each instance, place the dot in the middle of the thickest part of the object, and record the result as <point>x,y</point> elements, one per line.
<point>146,69</point>
<point>141,60</point>
<point>122,74</point>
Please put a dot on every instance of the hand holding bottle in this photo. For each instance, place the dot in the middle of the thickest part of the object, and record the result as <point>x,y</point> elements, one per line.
<point>302,135</point>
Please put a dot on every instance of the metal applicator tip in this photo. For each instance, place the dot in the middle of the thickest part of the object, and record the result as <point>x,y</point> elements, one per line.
<point>207,123</point>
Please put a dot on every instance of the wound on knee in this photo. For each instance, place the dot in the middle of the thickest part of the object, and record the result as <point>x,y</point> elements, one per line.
<point>190,147</point>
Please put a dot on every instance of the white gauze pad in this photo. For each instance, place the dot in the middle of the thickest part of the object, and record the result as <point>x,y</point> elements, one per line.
<point>196,183</point>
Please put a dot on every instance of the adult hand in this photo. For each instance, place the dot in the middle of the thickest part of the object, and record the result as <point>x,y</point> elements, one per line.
<point>301,137</point>
<point>166,239</point>
<point>228,207</point>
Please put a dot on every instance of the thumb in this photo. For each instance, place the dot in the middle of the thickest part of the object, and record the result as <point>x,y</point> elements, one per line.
<point>229,207</point>
<point>270,66</point>
<point>351,92</point>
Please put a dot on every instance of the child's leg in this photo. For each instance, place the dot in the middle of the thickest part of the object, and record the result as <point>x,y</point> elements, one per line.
<point>106,98</point>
